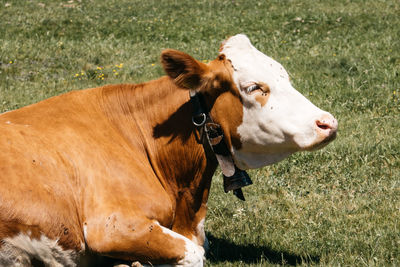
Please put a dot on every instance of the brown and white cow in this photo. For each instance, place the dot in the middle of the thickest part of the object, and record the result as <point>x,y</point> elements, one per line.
<point>120,171</point>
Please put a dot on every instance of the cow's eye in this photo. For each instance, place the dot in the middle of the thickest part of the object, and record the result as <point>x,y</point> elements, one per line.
<point>252,88</point>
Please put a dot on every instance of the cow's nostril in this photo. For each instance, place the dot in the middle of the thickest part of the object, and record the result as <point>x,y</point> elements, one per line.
<point>323,125</point>
<point>327,124</point>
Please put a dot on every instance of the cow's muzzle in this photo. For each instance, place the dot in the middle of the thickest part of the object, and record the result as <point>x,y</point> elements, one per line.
<point>326,127</point>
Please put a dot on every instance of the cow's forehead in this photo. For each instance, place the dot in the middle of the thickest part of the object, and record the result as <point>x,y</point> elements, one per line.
<point>251,65</point>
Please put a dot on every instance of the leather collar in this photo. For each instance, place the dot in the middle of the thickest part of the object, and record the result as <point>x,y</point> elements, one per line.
<point>234,178</point>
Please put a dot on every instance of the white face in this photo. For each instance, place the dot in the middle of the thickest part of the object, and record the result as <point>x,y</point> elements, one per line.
<point>277,119</point>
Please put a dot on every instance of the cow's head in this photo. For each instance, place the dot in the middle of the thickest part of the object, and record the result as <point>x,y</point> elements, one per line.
<point>250,95</point>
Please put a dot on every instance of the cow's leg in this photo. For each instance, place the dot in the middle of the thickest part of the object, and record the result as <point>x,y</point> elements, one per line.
<point>141,239</point>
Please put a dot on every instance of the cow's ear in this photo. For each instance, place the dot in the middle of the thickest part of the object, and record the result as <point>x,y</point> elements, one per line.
<point>186,71</point>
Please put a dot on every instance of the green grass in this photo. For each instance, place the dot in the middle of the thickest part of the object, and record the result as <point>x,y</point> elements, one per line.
<point>338,206</point>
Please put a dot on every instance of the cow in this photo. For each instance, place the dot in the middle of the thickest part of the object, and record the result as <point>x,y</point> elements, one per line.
<point>125,170</point>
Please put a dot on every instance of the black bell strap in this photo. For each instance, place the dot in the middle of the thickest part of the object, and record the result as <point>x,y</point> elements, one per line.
<point>234,178</point>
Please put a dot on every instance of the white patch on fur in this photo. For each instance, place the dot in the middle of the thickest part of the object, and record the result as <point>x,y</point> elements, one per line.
<point>85,231</point>
<point>194,254</point>
<point>202,235</point>
<point>84,236</point>
<point>20,249</point>
<point>286,124</point>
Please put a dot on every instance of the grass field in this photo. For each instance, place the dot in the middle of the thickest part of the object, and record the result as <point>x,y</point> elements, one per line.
<point>336,207</point>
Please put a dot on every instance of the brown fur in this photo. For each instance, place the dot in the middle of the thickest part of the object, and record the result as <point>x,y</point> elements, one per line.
<point>116,160</point>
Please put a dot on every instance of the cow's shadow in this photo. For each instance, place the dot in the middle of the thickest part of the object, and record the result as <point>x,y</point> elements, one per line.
<point>223,250</point>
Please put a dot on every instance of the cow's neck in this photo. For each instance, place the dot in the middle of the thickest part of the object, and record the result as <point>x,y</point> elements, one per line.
<point>159,114</point>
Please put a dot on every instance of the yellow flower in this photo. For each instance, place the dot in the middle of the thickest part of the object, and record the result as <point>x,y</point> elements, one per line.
<point>153,64</point>
<point>10,62</point>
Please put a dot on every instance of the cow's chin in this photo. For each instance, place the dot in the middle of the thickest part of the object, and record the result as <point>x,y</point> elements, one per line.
<point>319,143</point>
<point>254,160</point>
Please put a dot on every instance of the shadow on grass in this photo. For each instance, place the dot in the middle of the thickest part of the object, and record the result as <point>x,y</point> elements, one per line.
<point>223,250</point>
